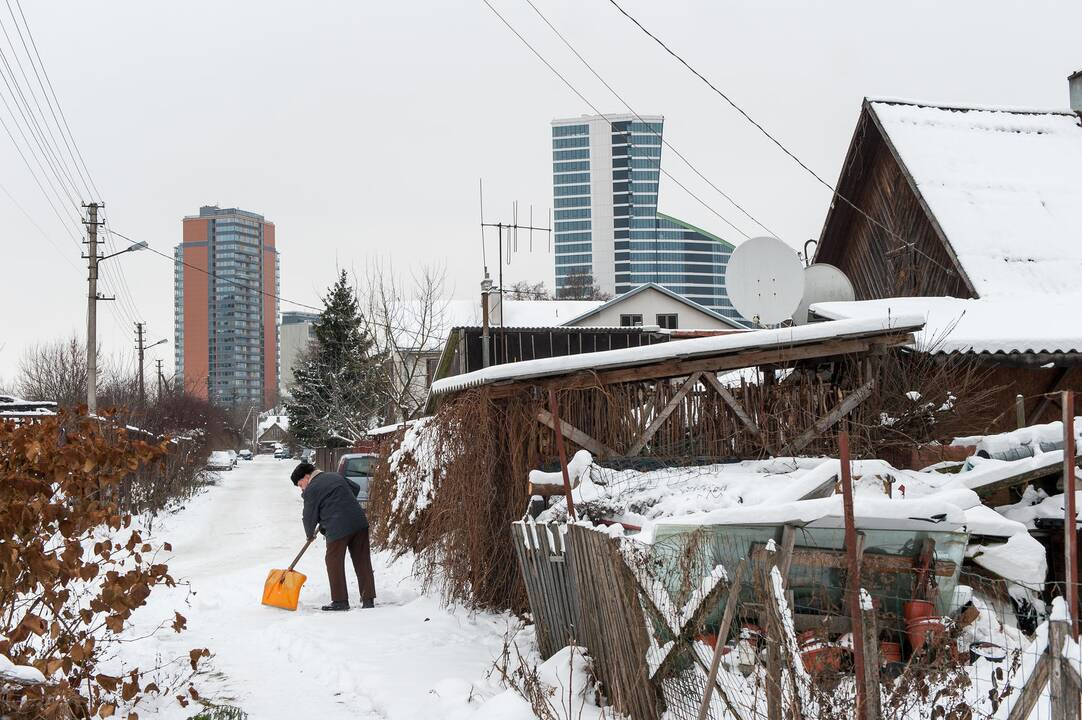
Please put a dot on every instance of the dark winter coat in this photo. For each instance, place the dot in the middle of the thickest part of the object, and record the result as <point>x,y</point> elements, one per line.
<point>330,501</point>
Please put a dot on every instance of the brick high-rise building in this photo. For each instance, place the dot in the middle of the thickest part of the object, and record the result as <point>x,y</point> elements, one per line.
<point>225,307</point>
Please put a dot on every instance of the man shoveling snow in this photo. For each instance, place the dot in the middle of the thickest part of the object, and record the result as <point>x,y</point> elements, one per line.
<point>330,501</point>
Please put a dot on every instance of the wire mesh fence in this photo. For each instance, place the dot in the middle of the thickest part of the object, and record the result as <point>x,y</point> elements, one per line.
<point>774,614</point>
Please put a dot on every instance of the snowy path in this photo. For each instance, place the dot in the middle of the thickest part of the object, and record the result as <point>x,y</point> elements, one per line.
<point>407,658</point>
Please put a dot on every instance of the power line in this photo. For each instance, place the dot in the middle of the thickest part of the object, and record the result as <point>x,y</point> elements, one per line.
<point>727,99</point>
<point>52,152</point>
<point>173,259</point>
<point>602,115</point>
<point>638,117</point>
<point>834,190</point>
<point>45,94</point>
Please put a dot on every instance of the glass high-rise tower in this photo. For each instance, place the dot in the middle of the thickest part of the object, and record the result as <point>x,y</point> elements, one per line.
<point>226,308</point>
<point>606,221</point>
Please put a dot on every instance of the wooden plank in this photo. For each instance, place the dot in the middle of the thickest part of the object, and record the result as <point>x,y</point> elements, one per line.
<point>738,410</point>
<point>723,635</point>
<point>873,706</point>
<point>677,368</point>
<point>871,561</point>
<point>664,414</point>
<point>575,435</point>
<point>1057,686</point>
<point>1019,479</point>
<point>823,424</point>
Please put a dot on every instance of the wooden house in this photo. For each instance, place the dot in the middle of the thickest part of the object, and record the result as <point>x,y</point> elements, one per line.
<point>975,204</point>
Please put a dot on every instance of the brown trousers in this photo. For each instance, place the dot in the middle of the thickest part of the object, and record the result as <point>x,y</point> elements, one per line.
<point>357,544</point>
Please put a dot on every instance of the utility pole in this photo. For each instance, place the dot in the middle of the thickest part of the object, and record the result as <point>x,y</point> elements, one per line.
<point>92,308</point>
<point>140,337</point>
<point>159,363</point>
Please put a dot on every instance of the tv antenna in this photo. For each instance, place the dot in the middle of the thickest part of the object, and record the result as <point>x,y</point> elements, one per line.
<point>508,233</point>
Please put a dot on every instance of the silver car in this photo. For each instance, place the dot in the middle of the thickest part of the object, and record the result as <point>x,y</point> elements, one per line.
<point>359,468</point>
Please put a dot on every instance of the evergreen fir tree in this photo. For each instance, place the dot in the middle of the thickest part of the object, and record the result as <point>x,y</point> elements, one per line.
<point>336,393</point>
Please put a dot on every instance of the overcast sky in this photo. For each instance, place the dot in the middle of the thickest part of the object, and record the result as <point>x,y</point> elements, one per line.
<point>361,128</point>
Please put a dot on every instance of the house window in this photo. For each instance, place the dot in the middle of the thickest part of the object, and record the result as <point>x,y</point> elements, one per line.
<point>668,320</point>
<point>630,320</point>
<point>431,366</point>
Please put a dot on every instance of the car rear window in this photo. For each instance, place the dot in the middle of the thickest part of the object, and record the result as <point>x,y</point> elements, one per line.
<point>360,466</point>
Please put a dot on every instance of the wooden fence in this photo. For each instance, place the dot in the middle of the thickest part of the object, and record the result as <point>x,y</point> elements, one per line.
<point>542,555</point>
<point>581,591</point>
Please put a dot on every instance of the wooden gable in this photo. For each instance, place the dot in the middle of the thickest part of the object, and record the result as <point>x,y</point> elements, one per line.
<point>900,252</point>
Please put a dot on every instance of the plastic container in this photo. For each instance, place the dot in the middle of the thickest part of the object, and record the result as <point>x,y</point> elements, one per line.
<point>920,629</point>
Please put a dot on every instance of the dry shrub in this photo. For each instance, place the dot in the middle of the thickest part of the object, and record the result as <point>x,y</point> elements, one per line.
<point>72,569</point>
<point>458,523</point>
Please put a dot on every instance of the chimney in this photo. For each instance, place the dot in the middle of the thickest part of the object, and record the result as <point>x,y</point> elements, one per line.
<point>494,301</point>
<point>1075,83</point>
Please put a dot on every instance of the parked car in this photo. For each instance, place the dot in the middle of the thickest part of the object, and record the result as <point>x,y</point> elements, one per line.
<point>219,460</point>
<point>308,455</point>
<point>233,456</point>
<point>245,454</point>
<point>359,467</point>
<point>283,453</point>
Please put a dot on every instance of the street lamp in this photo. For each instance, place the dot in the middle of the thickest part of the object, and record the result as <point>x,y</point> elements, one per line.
<point>93,260</point>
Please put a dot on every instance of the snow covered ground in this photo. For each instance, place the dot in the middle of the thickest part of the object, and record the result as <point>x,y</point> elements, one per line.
<point>407,658</point>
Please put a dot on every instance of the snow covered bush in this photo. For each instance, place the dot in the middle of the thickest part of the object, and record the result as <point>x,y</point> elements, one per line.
<point>72,569</point>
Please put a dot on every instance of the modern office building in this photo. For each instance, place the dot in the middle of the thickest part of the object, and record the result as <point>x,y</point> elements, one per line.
<point>226,307</point>
<point>606,173</point>
<point>298,329</point>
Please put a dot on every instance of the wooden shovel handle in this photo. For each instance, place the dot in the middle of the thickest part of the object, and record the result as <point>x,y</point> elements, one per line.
<point>297,559</point>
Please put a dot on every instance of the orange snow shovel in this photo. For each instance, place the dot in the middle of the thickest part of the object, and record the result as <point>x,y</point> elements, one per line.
<point>283,587</point>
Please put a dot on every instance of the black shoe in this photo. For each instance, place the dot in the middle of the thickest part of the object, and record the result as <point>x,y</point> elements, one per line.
<point>336,606</point>
<point>368,603</point>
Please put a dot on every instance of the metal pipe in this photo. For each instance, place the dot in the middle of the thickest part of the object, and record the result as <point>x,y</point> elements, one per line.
<point>1070,524</point>
<point>853,589</point>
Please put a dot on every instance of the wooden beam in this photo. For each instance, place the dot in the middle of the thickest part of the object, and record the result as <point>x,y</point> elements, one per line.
<point>836,559</point>
<point>575,435</point>
<point>738,410</point>
<point>1050,397</point>
<point>722,639</point>
<point>1032,689</point>
<point>825,423</point>
<point>1019,479</point>
<point>678,367</point>
<point>662,416</point>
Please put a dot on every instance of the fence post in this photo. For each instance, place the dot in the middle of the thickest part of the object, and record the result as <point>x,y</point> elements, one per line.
<point>870,630</point>
<point>773,643</point>
<point>1020,411</point>
<point>1057,683</point>
<point>853,584</point>
<point>1070,526</point>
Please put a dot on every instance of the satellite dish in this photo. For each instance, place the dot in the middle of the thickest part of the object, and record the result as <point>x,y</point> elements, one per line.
<point>765,280</point>
<point>822,283</point>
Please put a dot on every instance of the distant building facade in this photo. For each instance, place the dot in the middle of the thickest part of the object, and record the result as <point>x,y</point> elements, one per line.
<point>226,308</point>
<point>606,173</point>
<point>297,331</point>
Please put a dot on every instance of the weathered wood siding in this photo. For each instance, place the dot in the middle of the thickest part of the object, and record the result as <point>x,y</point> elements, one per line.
<point>904,257</point>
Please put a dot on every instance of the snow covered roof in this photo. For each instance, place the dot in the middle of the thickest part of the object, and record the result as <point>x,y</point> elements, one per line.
<point>520,313</point>
<point>270,421</point>
<point>681,349</point>
<point>664,291</point>
<point>1019,324</point>
<point>1004,185</point>
<point>13,406</point>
